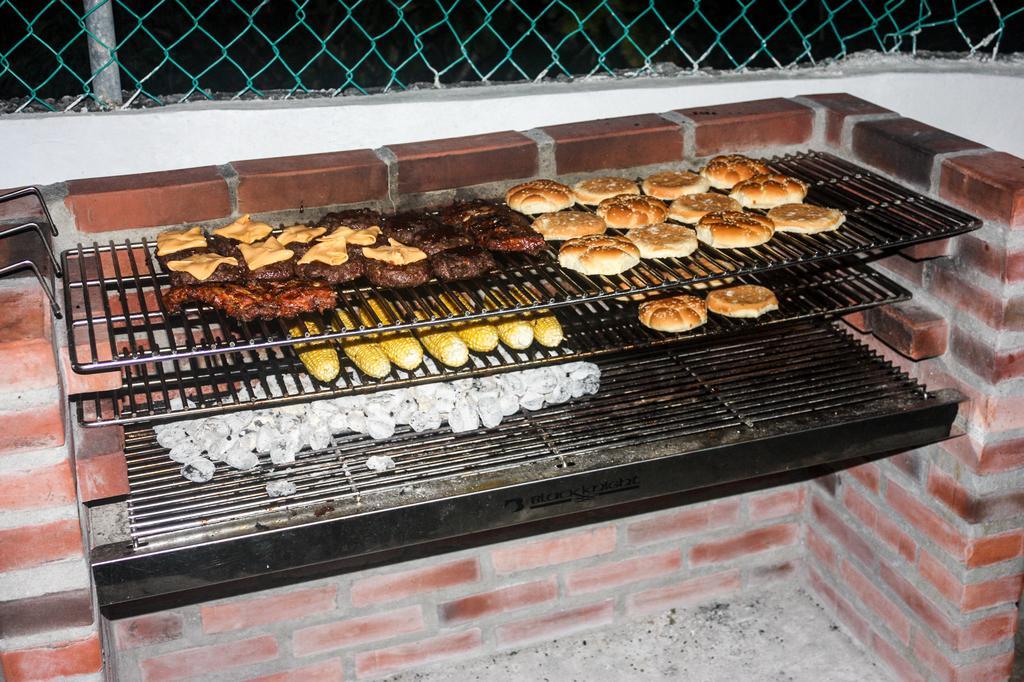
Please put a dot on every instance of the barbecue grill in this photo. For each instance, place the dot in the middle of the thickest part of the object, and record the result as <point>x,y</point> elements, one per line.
<point>733,400</point>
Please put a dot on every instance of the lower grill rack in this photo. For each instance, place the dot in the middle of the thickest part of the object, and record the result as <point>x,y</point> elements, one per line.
<point>213,384</point>
<point>666,419</point>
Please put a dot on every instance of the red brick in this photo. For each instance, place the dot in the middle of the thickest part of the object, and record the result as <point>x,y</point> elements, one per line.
<point>203,661</point>
<point>911,463</point>
<point>310,180</point>
<point>499,601</point>
<point>148,199</point>
<point>936,248</point>
<point>96,382</point>
<point>842,533</point>
<point>324,671</point>
<point>992,365</point>
<point>527,555</point>
<point>994,549</point>
<point>866,511</point>
<point>726,128</point>
<point>45,613</point>
<point>991,593</point>
<point>684,593</point>
<point>903,668</point>
<point>22,209</point>
<point>100,464</point>
<point>990,458</point>
<point>871,597</point>
<point>395,586</point>
<point>988,185</point>
<point>770,573</point>
<point>26,351</point>
<point>930,523</point>
<point>980,303</point>
<point>423,652</point>
<point>750,542</point>
<point>900,266</point>
<point>859,627</point>
<point>867,474</point>
<point>991,669</point>
<point>840,105</point>
<point>551,626</point>
<point>904,147</point>
<point>149,629</point>
<point>984,411</point>
<point>858,320</point>
<point>55,661</point>
<point>34,428</point>
<point>49,486</point>
<point>242,614</point>
<point>620,142</point>
<point>689,521</point>
<point>929,613</point>
<point>463,161</point>
<point>778,503</point>
<point>910,329</point>
<point>929,655</point>
<point>373,628</point>
<point>39,544</point>
<point>974,253</point>
<point>618,573</point>
<point>26,315</point>
<point>821,549</point>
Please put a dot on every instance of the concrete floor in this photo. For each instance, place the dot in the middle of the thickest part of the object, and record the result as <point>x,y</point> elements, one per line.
<point>782,635</point>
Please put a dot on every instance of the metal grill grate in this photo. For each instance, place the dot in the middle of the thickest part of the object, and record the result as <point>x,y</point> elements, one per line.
<point>723,391</point>
<point>211,383</point>
<point>116,316</point>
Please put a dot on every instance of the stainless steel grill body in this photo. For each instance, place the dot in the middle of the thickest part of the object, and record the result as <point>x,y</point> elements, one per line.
<point>667,419</point>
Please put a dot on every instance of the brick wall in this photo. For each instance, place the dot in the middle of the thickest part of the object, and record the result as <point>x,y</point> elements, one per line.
<point>48,626</point>
<point>498,597</point>
<point>918,555</point>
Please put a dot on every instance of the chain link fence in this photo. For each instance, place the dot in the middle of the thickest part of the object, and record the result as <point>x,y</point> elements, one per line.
<point>74,54</point>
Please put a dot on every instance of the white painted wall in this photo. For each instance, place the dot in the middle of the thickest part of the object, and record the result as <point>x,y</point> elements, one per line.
<point>976,100</point>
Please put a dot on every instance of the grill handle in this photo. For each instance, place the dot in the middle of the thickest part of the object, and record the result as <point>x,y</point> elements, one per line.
<point>47,288</point>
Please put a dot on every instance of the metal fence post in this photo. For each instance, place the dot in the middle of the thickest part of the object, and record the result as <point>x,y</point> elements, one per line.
<point>106,74</point>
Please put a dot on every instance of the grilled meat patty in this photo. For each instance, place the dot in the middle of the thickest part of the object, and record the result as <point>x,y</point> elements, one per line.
<point>223,273</point>
<point>257,301</point>
<point>462,211</point>
<point>351,269</point>
<point>440,238</point>
<point>383,274</point>
<point>275,272</point>
<point>223,246</point>
<point>405,226</point>
<point>356,218</point>
<point>180,255</point>
<point>462,262</point>
<point>505,231</point>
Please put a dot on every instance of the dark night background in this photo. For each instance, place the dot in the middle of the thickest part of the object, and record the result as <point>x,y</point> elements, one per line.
<point>142,24</point>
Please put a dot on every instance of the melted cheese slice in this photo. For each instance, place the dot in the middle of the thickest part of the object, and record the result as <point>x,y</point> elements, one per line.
<point>364,237</point>
<point>244,230</point>
<point>201,265</point>
<point>264,253</point>
<point>395,253</point>
<point>174,241</point>
<point>332,252</point>
<point>300,234</point>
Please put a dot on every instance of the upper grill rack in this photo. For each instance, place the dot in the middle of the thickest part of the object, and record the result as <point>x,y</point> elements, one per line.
<point>212,384</point>
<point>808,372</point>
<point>117,317</point>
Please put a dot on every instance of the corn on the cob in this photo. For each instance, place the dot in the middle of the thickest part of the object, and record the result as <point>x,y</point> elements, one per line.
<point>319,357</point>
<point>547,330</point>
<point>402,348</point>
<point>366,355</point>
<point>443,345</point>
<point>515,333</point>
<point>481,337</point>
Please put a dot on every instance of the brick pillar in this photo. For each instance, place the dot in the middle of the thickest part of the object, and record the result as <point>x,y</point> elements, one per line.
<point>920,554</point>
<point>47,620</point>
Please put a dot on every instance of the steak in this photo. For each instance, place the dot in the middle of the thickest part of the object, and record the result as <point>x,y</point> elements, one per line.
<point>257,301</point>
<point>462,262</point>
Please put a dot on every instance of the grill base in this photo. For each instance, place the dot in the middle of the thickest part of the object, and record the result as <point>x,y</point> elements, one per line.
<point>666,420</point>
